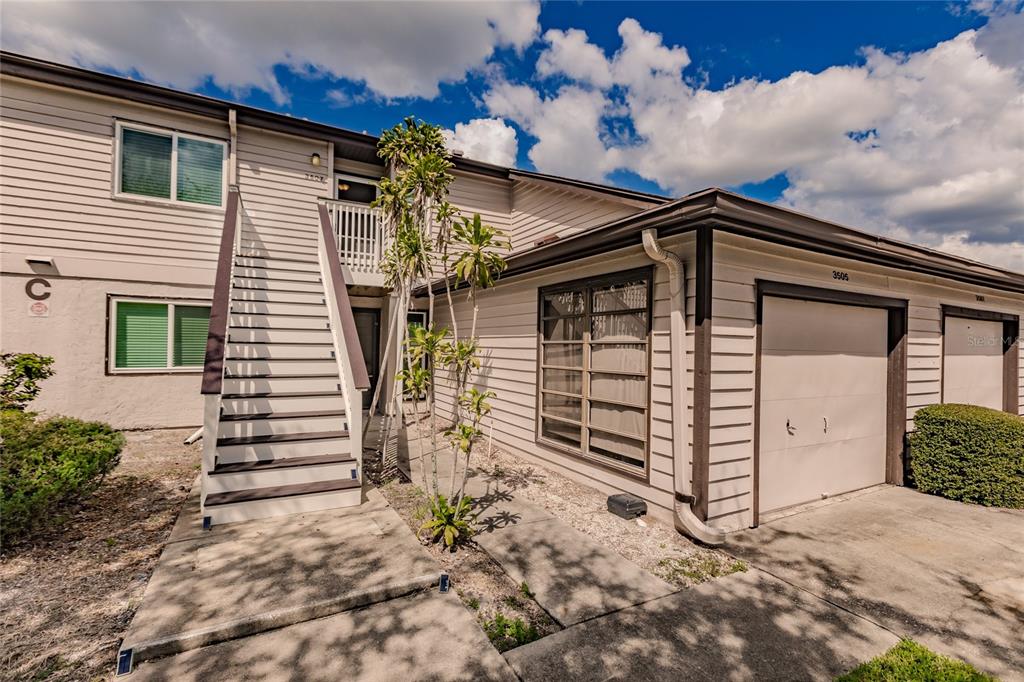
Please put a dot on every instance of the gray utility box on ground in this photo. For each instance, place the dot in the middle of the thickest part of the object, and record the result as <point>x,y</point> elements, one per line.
<point>626,505</point>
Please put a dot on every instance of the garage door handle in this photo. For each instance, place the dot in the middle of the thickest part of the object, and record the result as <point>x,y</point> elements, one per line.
<point>790,429</point>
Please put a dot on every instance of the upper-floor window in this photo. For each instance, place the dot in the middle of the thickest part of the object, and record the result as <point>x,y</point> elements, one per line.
<point>166,165</point>
<point>594,368</point>
<point>358,190</point>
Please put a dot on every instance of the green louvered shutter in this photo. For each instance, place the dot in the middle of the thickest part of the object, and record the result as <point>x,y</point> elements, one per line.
<point>200,171</point>
<point>141,341</point>
<point>191,324</point>
<point>145,163</point>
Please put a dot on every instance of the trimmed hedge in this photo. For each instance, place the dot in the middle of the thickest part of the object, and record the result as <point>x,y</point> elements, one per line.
<point>969,453</point>
<point>48,464</point>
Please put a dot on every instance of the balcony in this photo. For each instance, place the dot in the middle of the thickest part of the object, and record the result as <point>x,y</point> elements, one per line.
<point>360,238</point>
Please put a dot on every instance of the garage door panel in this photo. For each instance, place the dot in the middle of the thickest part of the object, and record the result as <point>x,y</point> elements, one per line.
<point>838,328</point>
<point>799,475</point>
<point>824,374</point>
<point>821,374</point>
<point>972,371</point>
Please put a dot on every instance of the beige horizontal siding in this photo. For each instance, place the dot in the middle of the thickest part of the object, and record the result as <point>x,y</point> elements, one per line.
<point>507,329</point>
<point>540,211</point>
<point>278,183</point>
<point>56,168</point>
<point>739,263</point>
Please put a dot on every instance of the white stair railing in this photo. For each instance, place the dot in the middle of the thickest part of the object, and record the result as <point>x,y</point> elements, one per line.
<point>359,235</point>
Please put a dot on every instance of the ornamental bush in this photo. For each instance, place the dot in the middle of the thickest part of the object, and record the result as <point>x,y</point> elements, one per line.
<point>969,453</point>
<point>47,465</point>
<point>22,373</point>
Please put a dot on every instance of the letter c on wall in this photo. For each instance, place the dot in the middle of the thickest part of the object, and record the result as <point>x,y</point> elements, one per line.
<point>33,284</point>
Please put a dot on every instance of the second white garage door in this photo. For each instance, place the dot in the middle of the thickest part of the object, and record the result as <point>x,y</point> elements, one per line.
<point>972,362</point>
<point>823,400</point>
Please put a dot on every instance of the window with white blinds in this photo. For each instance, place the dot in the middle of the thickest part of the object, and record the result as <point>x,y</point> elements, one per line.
<point>157,335</point>
<point>595,368</point>
<point>170,166</point>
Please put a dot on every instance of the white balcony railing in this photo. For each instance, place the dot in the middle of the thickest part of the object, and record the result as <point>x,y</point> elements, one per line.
<point>360,238</point>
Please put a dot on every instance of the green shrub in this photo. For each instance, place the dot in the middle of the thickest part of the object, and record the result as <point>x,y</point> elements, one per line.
<point>910,661</point>
<point>20,383</point>
<point>970,454</point>
<point>49,464</point>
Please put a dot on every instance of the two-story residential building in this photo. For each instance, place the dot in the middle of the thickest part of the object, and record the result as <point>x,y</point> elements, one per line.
<point>193,261</point>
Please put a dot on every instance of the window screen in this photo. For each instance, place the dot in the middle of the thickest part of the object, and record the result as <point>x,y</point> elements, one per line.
<point>141,335</point>
<point>594,360</point>
<point>191,327</point>
<point>171,165</point>
<point>146,163</point>
<point>150,335</point>
<point>200,171</point>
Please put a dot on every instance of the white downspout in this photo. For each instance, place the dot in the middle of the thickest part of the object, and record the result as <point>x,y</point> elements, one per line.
<point>686,521</point>
<point>233,148</point>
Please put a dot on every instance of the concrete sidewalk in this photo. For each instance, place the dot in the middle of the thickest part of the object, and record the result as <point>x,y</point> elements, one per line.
<point>571,576</point>
<point>240,580</point>
<point>746,626</point>
<point>425,636</point>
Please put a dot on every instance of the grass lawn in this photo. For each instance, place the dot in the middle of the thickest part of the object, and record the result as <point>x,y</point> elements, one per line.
<point>910,661</point>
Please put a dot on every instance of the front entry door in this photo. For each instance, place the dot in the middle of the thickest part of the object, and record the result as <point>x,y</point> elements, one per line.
<point>368,328</point>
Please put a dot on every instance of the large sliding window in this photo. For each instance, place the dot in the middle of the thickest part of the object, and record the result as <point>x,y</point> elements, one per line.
<point>166,165</point>
<point>595,368</point>
<point>149,335</point>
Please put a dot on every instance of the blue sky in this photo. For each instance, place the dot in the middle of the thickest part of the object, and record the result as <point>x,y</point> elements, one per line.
<point>726,41</point>
<point>900,118</point>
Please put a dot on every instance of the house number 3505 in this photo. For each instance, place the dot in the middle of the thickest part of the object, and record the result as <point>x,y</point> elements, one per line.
<point>841,276</point>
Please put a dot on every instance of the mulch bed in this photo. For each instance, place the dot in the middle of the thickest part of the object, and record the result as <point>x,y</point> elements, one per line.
<point>70,592</point>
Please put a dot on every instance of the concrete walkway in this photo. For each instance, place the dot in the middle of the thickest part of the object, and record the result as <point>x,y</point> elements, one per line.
<point>746,626</point>
<point>304,571</point>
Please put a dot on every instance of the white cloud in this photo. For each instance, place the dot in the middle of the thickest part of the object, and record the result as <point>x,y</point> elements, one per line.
<point>927,146</point>
<point>485,139</point>
<point>566,125</point>
<point>396,49</point>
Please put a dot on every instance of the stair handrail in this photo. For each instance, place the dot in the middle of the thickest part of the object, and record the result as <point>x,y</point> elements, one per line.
<point>216,338</point>
<point>349,352</point>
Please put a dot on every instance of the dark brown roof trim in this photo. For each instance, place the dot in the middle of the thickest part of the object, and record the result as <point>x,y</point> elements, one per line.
<point>739,215</point>
<point>645,197</point>
<point>349,144</point>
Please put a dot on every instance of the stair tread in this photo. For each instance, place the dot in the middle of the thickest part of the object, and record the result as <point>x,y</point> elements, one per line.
<point>281,438</point>
<point>307,315</point>
<point>270,394</point>
<point>281,491</point>
<point>282,343</point>
<point>281,463</point>
<point>236,327</point>
<point>244,359</point>
<point>282,258</point>
<point>281,415</point>
<point>271,375</point>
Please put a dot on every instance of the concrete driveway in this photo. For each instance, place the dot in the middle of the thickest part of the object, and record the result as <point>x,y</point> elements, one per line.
<point>948,575</point>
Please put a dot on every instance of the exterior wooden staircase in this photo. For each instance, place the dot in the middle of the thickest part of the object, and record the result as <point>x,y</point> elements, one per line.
<point>283,379</point>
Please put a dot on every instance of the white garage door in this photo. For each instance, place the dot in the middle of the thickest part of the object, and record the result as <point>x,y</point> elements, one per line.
<point>972,363</point>
<point>823,398</point>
